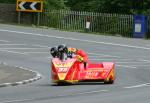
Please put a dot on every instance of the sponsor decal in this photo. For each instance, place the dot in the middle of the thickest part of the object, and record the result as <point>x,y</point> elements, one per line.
<point>92,74</point>
<point>62,70</point>
<point>63,64</point>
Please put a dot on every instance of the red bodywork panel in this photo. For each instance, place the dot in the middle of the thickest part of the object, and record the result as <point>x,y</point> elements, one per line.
<point>72,71</point>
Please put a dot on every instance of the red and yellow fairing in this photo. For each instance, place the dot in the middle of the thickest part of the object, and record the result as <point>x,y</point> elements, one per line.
<point>72,71</point>
<point>64,71</point>
<point>102,71</point>
<point>111,74</point>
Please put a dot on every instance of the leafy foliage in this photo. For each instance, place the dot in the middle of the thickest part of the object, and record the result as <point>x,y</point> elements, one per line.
<point>110,6</point>
<point>107,6</point>
<point>54,4</point>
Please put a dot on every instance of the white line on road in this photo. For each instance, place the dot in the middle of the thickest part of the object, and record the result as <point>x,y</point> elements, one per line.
<point>126,66</point>
<point>4,41</point>
<point>49,57</point>
<point>14,101</point>
<point>142,66</point>
<point>144,60</point>
<point>61,95</point>
<point>11,44</point>
<point>75,39</point>
<point>97,59</point>
<point>124,62</point>
<point>138,86</point>
<point>13,52</point>
<point>112,59</point>
<point>96,54</point>
<point>21,48</point>
<point>42,46</point>
<point>90,92</point>
<point>36,52</point>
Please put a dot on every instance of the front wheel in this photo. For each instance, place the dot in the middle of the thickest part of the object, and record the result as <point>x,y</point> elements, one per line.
<point>109,82</point>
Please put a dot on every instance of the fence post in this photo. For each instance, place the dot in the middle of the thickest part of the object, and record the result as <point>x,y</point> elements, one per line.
<point>38,19</point>
<point>19,17</point>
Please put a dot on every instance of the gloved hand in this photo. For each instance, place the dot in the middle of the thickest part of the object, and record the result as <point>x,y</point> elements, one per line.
<point>69,54</point>
<point>79,58</point>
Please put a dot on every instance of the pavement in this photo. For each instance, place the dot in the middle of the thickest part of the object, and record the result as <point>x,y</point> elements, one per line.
<point>12,75</point>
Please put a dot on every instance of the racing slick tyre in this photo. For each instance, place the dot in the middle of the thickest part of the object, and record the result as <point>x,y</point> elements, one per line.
<point>60,84</point>
<point>109,82</point>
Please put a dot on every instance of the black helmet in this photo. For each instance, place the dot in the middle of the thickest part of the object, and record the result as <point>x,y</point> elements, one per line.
<point>62,48</point>
<point>54,51</point>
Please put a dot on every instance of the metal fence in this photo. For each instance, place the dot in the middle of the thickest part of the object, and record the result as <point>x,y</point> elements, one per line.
<point>148,27</point>
<point>108,24</point>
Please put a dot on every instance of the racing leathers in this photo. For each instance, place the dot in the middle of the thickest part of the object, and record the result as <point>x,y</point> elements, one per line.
<point>79,54</point>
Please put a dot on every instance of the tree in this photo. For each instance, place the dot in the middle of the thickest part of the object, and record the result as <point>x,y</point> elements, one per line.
<point>110,6</point>
<point>54,4</point>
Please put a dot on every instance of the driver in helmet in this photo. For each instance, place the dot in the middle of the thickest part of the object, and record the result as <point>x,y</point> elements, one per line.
<point>78,53</point>
<point>54,52</point>
<point>62,48</point>
<point>70,51</point>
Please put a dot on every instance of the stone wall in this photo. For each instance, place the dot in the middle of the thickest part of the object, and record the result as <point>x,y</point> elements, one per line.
<point>8,14</point>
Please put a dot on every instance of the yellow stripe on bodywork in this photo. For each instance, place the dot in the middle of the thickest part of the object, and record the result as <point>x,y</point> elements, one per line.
<point>65,65</point>
<point>110,74</point>
<point>61,76</point>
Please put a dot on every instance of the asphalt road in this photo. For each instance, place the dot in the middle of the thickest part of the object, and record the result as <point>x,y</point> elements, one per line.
<point>29,48</point>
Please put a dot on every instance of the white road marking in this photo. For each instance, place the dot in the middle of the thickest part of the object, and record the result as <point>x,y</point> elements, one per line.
<point>42,46</point>
<point>4,41</point>
<point>62,95</point>
<point>75,39</point>
<point>13,101</point>
<point>11,44</point>
<point>90,92</point>
<point>112,59</point>
<point>49,57</point>
<point>97,59</point>
<point>21,48</point>
<point>142,66</point>
<point>36,52</point>
<point>126,66</point>
<point>138,86</point>
<point>13,52</point>
<point>144,60</point>
<point>124,62</point>
<point>96,54</point>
